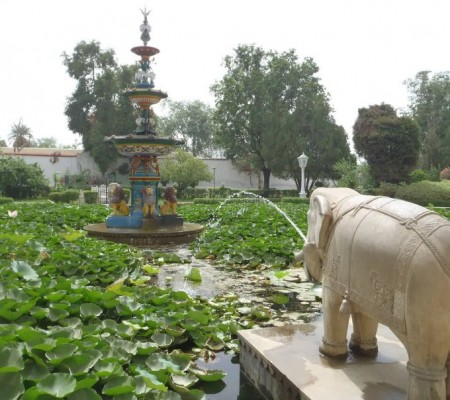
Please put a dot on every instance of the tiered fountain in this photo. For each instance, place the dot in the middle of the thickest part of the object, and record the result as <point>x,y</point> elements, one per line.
<point>144,222</point>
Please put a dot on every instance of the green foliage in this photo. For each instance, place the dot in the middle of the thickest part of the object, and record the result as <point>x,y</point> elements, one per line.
<point>390,144</point>
<point>268,104</point>
<point>98,107</point>
<point>190,121</point>
<point>353,175</point>
<point>90,197</point>
<point>445,212</point>
<point>430,108</point>
<point>46,142</point>
<point>223,193</point>
<point>78,318</point>
<point>419,175</point>
<point>426,193</point>
<point>21,180</point>
<point>249,232</point>
<point>66,196</point>
<point>183,170</point>
<point>6,200</point>
<point>386,189</point>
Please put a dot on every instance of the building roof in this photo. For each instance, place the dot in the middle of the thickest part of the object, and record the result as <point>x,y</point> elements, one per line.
<point>38,151</point>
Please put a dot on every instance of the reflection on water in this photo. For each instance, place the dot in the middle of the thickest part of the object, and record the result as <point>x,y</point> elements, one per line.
<point>254,288</point>
<point>235,386</point>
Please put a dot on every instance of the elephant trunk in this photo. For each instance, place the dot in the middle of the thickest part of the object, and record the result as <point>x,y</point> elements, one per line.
<point>311,261</point>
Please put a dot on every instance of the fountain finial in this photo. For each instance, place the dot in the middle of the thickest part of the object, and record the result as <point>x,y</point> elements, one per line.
<point>145,27</point>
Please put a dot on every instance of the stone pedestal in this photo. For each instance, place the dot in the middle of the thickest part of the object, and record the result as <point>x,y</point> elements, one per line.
<point>284,364</point>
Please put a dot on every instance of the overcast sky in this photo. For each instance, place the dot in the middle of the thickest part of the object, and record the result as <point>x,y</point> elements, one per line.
<point>365,49</point>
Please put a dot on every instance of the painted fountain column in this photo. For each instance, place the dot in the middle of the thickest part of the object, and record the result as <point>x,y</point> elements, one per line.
<point>143,146</point>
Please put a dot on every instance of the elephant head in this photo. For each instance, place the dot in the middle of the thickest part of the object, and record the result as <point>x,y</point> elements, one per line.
<point>320,218</point>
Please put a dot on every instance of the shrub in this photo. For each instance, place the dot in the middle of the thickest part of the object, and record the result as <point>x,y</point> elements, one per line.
<point>418,175</point>
<point>90,197</point>
<point>425,193</point>
<point>295,200</point>
<point>208,201</point>
<point>67,196</point>
<point>20,180</point>
<point>5,200</point>
<point>386,189</point>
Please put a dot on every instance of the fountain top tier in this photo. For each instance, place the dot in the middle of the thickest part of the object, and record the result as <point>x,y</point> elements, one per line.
<point>144,140</point>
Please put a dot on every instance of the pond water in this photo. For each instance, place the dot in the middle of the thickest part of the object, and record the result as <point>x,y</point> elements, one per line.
<point>254,287</point>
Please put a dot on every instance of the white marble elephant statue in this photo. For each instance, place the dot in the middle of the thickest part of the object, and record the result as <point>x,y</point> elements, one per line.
<point>383,260</point>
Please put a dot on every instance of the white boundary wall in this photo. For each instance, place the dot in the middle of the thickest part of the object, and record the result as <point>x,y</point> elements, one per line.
<point>71,162</point>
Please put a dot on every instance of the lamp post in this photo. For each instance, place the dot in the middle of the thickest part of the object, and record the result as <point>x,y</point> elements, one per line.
<point>302,161</point>
<point>214,182</point>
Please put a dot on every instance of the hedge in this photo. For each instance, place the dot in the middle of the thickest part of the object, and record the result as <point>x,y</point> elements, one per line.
<point>67,196</point>
<point>90,197</point>
<point>4,200</point>
<point>223,193</point>
<point>425,193</point>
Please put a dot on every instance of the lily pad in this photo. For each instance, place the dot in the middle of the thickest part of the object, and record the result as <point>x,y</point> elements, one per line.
<point>279,298</point>
<point>119,385</point>
<point>90,310</point>
<point>194,275</point>
<point>208,375</point>
<point>12,386</point>
<point>58,385</point>
<point>10,360</point>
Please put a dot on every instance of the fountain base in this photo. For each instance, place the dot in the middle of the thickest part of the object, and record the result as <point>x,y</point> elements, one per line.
<point>284,364</point>
<point>152,232</point>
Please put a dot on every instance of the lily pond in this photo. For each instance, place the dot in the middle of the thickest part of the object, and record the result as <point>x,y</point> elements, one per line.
<point>84,319</point>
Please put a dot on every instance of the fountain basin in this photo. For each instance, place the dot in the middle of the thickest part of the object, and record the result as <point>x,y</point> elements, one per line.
<point>147,236</point>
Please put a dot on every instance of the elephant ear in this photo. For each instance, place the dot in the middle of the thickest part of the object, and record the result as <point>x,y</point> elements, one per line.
<point>322,215</point>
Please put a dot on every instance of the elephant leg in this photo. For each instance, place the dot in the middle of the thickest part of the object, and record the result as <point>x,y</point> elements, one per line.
<point>426,383</point>
<point>447,380</point>
<point>334,341</point>
<point>364,341</point>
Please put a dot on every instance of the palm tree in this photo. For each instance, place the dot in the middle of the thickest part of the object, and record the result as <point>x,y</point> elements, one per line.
<point>20,136</point>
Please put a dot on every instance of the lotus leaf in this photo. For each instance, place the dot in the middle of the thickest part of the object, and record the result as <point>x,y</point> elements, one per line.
<point>151,380</point>
<point>58,385</point>
<point>11,384</point>
<point>25,270</point>
<point>81,363</point>
<point>90,310</point>
<point>10,360</point>
<point>119,385</point>
<point>208,375</point>
<point>84,394</point>
<point>279,298</point>
<point>194,275</point>
<point>163,340</point>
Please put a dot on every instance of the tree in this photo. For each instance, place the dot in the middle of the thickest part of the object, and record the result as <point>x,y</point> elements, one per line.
<point>389,143</point>
<point>98,107</point>
<point>353,175</point>
<point>46,142</point>
<point>430,107</point>
<point>184,170</point>
<point>21,180</point>
<point>270,108</point>
<point>192,122</point>
<point>20,136</point>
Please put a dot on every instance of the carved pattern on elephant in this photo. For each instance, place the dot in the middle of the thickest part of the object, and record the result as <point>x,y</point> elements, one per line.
<point>334,267</point>
<point>388,302</point>
<point>383,293</point>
